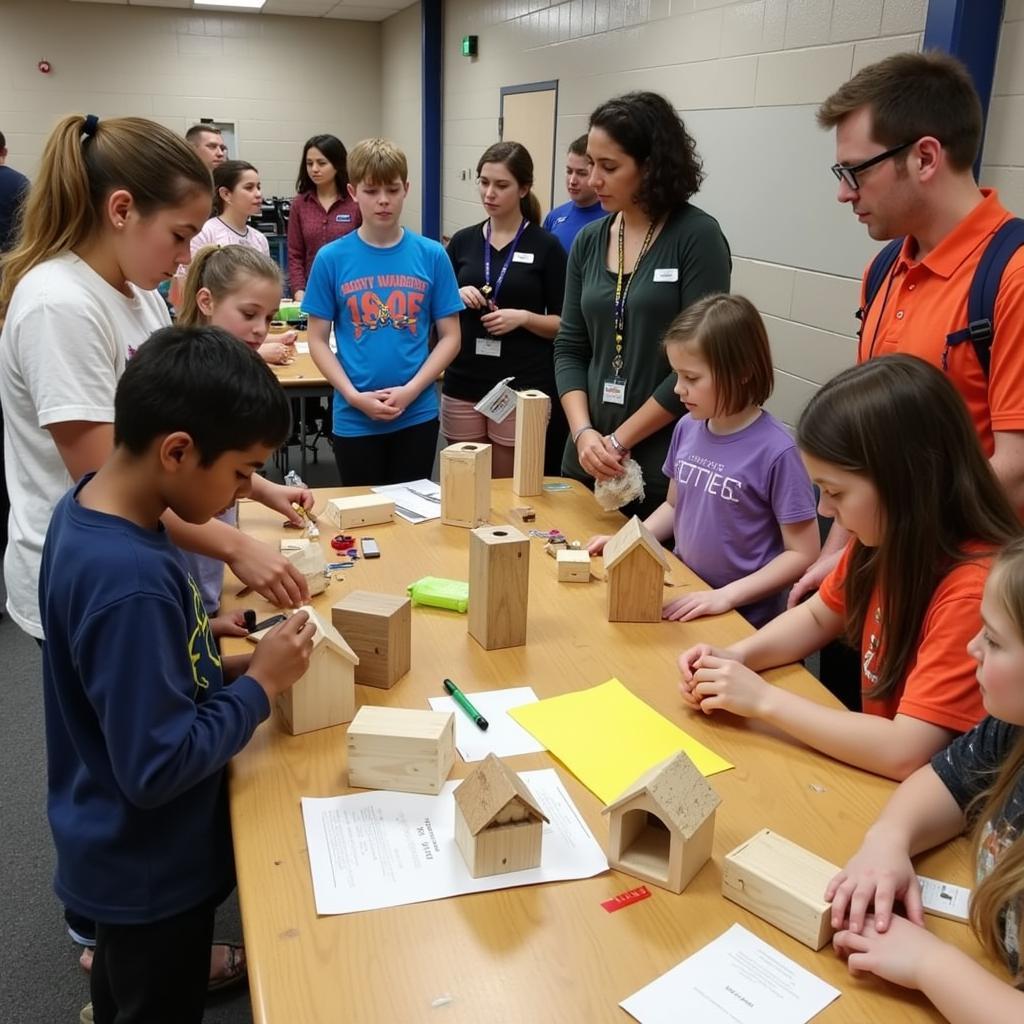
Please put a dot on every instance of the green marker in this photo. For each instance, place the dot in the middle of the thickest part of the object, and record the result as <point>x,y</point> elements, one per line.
<point>463,701</point>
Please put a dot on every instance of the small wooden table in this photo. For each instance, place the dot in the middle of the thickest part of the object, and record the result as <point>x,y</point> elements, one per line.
<point>544,952</point>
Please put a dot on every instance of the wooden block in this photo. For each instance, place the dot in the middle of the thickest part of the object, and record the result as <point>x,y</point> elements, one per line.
<point>308,558</point>
<point>401,749</point>
<point>782,883</point>
<point>533,410</point>
<point>359,510</point>
<point>573,566</point>
<point>499,580</point>
<point>553,547</point>
<point>293,544</point>
<point>378,627</point>
<point>325,694</point>
<point>466,484</point>
<point>525,513</point>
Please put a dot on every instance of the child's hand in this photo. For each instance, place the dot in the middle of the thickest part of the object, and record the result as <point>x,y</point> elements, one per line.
<point>288,338</point>
<point>690,659</point>
<point>897,954</point>
<point>696,605</point>
<point>229,624</point>
<point>723,684</point>
<point>501,321</point>
<point>269,573</point>
<point>281,498</point>
<point>375,405</point>
<point>877,875</point>
<point>274,352</point>
<point>472,297</point>
<point>282,656</point>
<point>595,546</point>
<point>399,398</point>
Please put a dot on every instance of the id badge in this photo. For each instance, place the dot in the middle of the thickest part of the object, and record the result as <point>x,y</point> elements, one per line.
<point>488,347</point>
<point>499,403</point>
<point>614,391</point>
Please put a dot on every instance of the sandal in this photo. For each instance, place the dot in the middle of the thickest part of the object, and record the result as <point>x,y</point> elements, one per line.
<point>233,970</point>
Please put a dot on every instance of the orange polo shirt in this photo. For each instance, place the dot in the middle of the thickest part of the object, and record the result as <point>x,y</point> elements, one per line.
<point>940,685</point>
<point>928,299</point>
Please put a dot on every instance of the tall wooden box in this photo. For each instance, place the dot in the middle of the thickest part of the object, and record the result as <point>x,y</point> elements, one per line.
<point>533,410</point>
<point>402,749</point>
<point>378,627</point>
<point>466,484</point>
<point>782,883</point>
<point>359,510</point>
<point>499,581</point>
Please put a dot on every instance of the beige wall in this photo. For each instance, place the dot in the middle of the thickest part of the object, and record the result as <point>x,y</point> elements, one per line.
<point>1003,159</point>
<point>401,100</point>
<point>281,79</point>
<point>746,76</point>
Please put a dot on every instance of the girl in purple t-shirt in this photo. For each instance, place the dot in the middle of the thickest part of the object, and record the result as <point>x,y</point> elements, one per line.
<point>740,504</point>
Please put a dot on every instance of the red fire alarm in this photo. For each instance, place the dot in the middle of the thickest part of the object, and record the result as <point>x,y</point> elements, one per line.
<point>45,67</point>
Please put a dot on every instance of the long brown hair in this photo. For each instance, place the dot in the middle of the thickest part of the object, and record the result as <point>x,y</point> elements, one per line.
<point>221,269</point>
<point>79,171</point>
<point>899,422</point>
<point>516,157</point>
<point>1004,884</point>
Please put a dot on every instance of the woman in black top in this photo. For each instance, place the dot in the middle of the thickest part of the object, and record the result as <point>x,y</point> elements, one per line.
<point>511,276</point>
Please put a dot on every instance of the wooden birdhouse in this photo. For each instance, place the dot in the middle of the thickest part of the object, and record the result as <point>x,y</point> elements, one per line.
<point>379,629</point>
<point>307,556</point>
<point>325,694</point>
<point>662,827</point>
<point>635,567</point>
<point>465,484</point>
<point>782,883</point>
<point>400,748</point>
<point>498,823</point>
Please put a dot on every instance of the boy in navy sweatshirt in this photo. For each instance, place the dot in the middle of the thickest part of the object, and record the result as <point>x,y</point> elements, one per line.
<point>140,723</point>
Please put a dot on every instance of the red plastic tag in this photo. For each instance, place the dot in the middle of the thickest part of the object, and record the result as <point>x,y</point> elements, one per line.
<point>627,898</point>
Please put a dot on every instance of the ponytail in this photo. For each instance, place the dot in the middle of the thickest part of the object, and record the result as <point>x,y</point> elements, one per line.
<point>221,269</point>
<point>529,206</point>
<point>84,161</point>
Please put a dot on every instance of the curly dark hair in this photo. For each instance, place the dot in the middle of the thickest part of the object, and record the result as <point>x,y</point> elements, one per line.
<point>646,126</point>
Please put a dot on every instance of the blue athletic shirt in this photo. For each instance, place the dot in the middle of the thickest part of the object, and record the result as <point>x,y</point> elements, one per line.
<point>565,221</point>
<point>383,303</point>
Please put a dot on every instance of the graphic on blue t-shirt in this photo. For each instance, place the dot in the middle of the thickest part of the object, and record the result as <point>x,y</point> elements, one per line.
<point>368,309</point>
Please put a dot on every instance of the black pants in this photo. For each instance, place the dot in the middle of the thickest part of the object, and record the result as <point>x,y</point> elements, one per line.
<point>153,973</point>
<point>387,458</point>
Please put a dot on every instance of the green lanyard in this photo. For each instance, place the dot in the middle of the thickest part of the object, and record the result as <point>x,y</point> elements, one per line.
<point>621,293</point>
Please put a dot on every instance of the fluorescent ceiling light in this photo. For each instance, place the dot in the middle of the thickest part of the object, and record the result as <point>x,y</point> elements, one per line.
<point>254,5</point>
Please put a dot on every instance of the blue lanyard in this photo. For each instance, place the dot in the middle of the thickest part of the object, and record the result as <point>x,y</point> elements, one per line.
<point>491,294</point>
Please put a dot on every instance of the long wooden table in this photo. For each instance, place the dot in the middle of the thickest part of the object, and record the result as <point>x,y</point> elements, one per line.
<point>302,379</point>
<point>545,952</point>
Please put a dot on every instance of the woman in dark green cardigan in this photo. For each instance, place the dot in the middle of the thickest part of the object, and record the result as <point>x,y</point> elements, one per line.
<point>629,275</point>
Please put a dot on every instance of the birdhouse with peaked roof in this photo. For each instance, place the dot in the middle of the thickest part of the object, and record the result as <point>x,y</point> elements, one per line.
<point>662,827</point>
<point>498,823</point>
<point>635,567</point>
<point>325,695</point>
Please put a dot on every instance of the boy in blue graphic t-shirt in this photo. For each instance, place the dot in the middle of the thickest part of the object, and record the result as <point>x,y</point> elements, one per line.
<point>140,725</point>
<point>383,287</point>
<point>566,221</point>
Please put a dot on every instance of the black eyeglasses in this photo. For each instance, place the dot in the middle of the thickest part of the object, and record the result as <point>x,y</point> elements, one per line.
<point>848,174</point>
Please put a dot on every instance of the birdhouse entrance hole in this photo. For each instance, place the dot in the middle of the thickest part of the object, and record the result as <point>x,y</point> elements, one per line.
<point>645,844</point>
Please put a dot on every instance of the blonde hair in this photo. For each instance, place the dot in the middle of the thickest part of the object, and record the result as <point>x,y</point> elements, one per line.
<point>221,270</point>
<point>729,333</point>
<point>1005,882</point>
<point>376,162</point>
<point>79,171</point>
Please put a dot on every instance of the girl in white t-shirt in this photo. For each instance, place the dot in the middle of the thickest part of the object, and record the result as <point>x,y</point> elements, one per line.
<point>108,218</point>
<point>237,196</point>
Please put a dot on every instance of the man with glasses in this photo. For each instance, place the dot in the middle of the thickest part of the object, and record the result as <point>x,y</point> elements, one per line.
<point>908,131</point>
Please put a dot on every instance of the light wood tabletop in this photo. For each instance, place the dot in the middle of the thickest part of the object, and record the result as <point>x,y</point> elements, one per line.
<point>541,953</point>
<point>301,372</point>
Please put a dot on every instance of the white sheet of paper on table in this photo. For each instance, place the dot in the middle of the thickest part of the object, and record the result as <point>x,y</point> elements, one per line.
<point>302,348</point>
<point>406,496</point>
<point>383,849</point>
<point>736,979</point>
<point>504,736</point>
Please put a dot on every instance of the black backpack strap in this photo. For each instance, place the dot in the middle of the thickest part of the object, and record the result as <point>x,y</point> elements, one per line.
<point>981,301</point>
<point>878,270</point>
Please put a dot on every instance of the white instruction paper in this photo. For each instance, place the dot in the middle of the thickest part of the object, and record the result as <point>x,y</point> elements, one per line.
<point>384,849</point>
<point>416,501</point>
<point>504,736</point>
<point>737,979</point>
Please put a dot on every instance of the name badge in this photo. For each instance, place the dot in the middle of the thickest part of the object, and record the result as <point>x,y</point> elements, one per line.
<point>499,403</point>
<point>614,391</point>
<point>488,346</point>
<point>344,218</point>
<point>522,257</point>
<point>666,274</point>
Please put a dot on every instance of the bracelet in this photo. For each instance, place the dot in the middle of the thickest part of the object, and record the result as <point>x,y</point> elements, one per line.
<point>579,433</point>
<point>615,442</point>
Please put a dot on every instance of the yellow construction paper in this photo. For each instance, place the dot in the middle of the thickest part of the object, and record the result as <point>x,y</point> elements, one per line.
<point>608,738</point>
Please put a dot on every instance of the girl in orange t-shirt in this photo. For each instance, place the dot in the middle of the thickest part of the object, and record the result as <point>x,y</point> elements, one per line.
<point>892,449</point>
